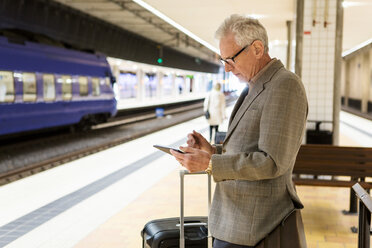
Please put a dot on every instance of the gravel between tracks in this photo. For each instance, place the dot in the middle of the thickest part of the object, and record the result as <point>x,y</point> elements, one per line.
<point>22,155</point>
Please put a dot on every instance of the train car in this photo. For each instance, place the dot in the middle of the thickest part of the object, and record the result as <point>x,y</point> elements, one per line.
<point>43,86</point>
<point>139,84</point>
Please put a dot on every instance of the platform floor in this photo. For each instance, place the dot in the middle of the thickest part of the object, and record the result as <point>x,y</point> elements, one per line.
<point>325,225</point>
<point>135,103</point>
<point>128,185</point>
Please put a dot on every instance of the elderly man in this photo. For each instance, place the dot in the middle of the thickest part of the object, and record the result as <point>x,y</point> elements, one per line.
<point>255,203</point>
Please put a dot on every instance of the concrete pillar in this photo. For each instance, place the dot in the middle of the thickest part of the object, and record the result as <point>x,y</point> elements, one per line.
<point>347,82</point>
<point>187,86</point>
<point>116,74</point>
<point>318,60</point>
<point>159,87</point>
<point>370,73</point>
<point>337,73</point>
<point>140,86</point>
<point>365,80</point>
<point>174,86</point>
<point>299,36</point>
<point>370,77</point>
<point>289,44</point>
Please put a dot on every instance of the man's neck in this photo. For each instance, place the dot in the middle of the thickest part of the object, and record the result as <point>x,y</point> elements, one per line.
<point>260,66</point>
<point>263,61</point>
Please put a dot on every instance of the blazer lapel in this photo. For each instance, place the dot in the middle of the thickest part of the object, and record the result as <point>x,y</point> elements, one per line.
<point>238,103</point>
<point>254,92</point>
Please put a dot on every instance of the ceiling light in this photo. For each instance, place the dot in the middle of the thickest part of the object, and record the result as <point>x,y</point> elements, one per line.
<point>176,25</point>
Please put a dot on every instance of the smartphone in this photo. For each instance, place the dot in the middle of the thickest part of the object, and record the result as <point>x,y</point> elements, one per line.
<point>167,149</point>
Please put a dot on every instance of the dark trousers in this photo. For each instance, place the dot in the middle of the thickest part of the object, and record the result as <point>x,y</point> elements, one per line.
<point>210,131</point>
<point>223,244</point>
<point>288,234</point>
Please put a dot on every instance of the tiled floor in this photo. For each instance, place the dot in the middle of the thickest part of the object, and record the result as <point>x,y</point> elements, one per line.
<point>114,216</point>
<point>325,225</point>
<point>130,169</point>
<point>161,201</point>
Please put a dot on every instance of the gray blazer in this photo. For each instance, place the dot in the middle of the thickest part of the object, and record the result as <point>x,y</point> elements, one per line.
<point>254,188</point>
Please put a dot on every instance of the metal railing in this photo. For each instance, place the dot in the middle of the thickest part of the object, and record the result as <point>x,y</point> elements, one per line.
<point>365,209</point>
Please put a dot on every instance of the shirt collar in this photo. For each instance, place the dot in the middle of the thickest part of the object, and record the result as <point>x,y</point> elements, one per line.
<point>262,71</point>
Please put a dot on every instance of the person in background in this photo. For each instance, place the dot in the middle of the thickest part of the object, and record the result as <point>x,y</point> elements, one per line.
<point>215,103</point>
<point>255,203</point>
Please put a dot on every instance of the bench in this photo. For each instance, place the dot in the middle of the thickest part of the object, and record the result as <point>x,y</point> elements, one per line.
<point>334,161</point>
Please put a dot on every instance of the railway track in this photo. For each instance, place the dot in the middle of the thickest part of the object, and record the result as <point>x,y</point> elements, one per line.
<point>27,158</point>
<point>132,116</point>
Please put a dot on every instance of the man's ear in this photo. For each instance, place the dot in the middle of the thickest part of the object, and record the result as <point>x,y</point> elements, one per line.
<point>258,49</point>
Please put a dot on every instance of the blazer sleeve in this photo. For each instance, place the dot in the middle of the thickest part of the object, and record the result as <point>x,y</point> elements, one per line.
<point>281,129</point>
<point>218,148</point>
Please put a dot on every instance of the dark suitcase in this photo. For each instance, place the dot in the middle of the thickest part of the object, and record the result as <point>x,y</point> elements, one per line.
<point>167,233</point>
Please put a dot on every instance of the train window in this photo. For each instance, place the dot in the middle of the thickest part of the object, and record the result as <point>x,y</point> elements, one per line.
<point>127,85</point>
<point>6,86</point>
<point>49,87</point>
<point>29,87</point>
<point>66,88</point>
<point>83,85</point>
<point>180,84</point>
<point>95,85</point>
<point>150,85</point>
<point>167,85</point>
<point>108,81</point>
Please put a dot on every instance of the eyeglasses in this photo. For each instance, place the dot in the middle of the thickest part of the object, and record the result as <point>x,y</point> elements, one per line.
<point>231,60</point>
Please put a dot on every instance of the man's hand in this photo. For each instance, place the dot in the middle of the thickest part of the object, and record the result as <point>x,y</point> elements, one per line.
<point>196,140</point>
<point>194,160</point>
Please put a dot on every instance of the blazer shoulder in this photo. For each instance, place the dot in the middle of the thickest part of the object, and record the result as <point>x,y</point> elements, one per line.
<point>287,79</point>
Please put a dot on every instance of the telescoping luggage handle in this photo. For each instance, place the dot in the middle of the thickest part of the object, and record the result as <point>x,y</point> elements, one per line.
<point>182,220</point>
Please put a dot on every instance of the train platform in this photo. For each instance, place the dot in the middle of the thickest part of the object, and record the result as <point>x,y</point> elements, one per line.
<point>105,199</point>
<point>147,102</point>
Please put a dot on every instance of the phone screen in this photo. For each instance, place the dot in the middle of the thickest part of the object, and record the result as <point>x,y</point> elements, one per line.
<point>167,149</point>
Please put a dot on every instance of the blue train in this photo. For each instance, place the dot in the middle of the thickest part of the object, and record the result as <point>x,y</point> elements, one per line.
<point>43,86</point>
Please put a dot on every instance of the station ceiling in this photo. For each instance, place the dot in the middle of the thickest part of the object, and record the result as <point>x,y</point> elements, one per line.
<point>131,16</point>
<point>202,17</point>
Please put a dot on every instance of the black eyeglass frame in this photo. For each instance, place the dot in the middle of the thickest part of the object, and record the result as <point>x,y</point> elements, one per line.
<point>224,61</point>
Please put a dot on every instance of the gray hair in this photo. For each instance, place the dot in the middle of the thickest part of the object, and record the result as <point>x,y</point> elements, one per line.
<point>245,30</point>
